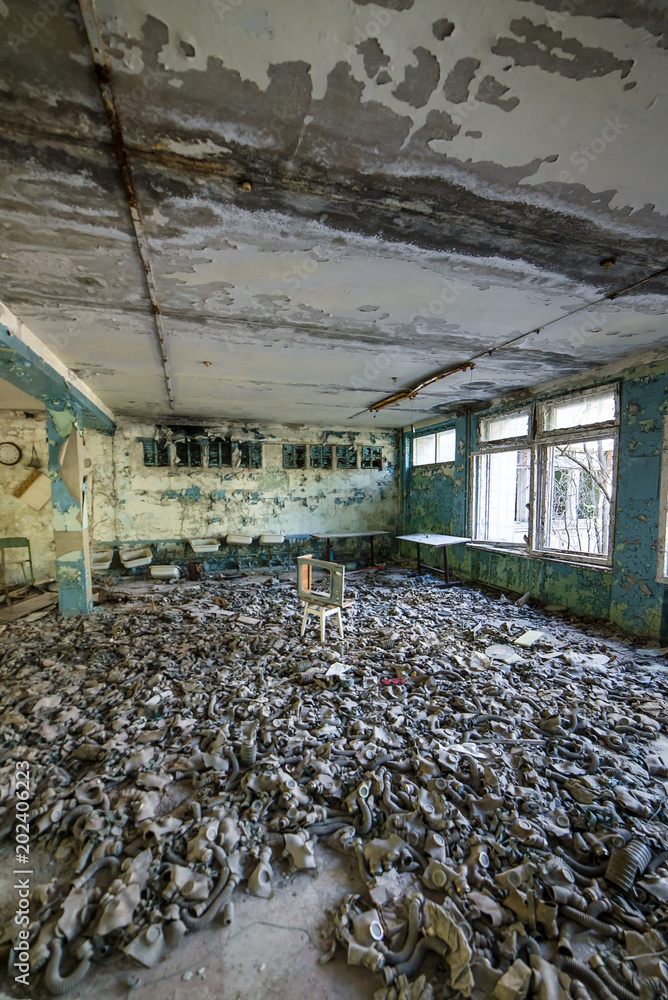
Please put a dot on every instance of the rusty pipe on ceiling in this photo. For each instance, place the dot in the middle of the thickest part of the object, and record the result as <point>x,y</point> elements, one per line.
<point>103,74</point>
<point>411,393</point>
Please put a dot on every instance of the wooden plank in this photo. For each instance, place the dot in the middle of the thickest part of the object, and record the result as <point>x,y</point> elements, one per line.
<point>27,607</point>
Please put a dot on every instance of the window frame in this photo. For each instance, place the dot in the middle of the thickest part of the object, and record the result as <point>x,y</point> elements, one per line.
<point>218,443</point>
<point>188,443</point>
<point>429,432</point>
<point>573,435</point>
<point>537,441</point>
<point>318,453</point>
<point>372,455</point>
<point>349,448</point>
<point>292,453</point>
<point>251,448</point>
<point>157,445</point>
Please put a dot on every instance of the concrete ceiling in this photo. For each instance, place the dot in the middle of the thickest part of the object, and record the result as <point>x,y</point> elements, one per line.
<point>427,180</point>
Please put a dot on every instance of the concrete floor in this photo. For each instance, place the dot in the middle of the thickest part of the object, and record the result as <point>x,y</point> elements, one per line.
<point>270,952</point>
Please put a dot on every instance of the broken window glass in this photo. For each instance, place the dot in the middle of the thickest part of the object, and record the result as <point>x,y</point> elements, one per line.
<point>220,452</point>
<point>156,453</point>
<point>346,456</point>
<point>372,458</point>
<point>294,456</point>
<point>250,453</point>
<point>321,456</point>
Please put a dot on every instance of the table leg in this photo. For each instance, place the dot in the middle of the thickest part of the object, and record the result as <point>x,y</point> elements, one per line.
<point>329,550</point>
<point>445,564</point>
<point>419,562</point>
<point>373,561</point>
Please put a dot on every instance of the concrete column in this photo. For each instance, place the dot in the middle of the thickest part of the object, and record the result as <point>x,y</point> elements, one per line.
<point>64,427</point>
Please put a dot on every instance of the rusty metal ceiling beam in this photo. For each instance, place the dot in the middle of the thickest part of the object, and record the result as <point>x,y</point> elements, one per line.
<point>103,74</point>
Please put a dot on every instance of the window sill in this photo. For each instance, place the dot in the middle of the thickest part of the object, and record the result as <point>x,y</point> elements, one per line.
<point>522,553</point>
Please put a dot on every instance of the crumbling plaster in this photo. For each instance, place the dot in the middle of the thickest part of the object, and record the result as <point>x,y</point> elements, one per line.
<point>628,593</point>
<point>422,188</point>
<point>131,502</point>
<point>17,518</point>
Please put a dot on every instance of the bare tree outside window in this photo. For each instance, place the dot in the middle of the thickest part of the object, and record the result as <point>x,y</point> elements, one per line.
<point>579,495</point>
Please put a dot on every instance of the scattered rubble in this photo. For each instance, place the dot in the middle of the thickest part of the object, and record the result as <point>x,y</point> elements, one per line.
<point>506,802</point>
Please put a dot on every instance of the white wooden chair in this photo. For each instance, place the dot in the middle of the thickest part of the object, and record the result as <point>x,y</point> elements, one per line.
<point>321,603</point>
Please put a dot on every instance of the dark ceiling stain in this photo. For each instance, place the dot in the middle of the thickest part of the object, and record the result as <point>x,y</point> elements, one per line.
<point>542,44</point>
<point>458,81</point>
<point>390,4</point>
<point>442,28</point>
<point>491,91</point>
<point>366,125</point>
<point>653,17</point>
<point>419,81</point>
<point>439,125</point>
<point>374,57</point>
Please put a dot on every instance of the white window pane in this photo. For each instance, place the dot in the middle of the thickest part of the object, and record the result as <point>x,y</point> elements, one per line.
<point>578,493</point>
<point>424,449</point>
<point>579,411</point>
<point>502,489</point>
<point>509,425</point>
<point>445,445</point>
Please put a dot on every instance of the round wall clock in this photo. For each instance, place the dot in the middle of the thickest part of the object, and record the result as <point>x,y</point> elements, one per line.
<point>10,453</point>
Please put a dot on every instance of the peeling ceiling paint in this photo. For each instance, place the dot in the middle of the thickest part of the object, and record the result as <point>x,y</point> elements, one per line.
<point>421,188</point>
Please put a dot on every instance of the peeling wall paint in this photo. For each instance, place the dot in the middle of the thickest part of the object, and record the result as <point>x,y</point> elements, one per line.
<point>627,593</point>
<point>17,518</point>
<point>131,502</point>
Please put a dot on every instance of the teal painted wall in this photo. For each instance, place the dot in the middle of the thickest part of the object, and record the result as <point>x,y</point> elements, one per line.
<point>436,499</point>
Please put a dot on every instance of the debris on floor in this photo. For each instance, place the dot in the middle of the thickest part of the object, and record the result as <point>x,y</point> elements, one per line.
<point>504,795</point>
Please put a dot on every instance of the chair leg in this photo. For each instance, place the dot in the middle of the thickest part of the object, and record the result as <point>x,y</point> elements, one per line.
<point>338,615</point>
<point>304,619</point>
<point>322,625</point>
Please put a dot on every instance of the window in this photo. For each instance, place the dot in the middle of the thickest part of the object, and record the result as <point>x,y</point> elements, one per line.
<point>155,452</point>
<point>321,456</point>
<point>346,456</point>
<point>220,452</point>
<point>372,458</point>
<point>189,452</point>
<point>431,448</point>
<point>446,442</point>
<point>594,408</point>
<point>505,426</point>
<point>576,497</point>
<point>424,449</point>
<point>250,453</point>
<point>563,456</point>
<point>502,490</point>
<point>294,456</point>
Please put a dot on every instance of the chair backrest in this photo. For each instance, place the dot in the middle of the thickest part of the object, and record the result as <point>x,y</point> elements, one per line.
<point>336,571</point>
<point>14,543</point>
